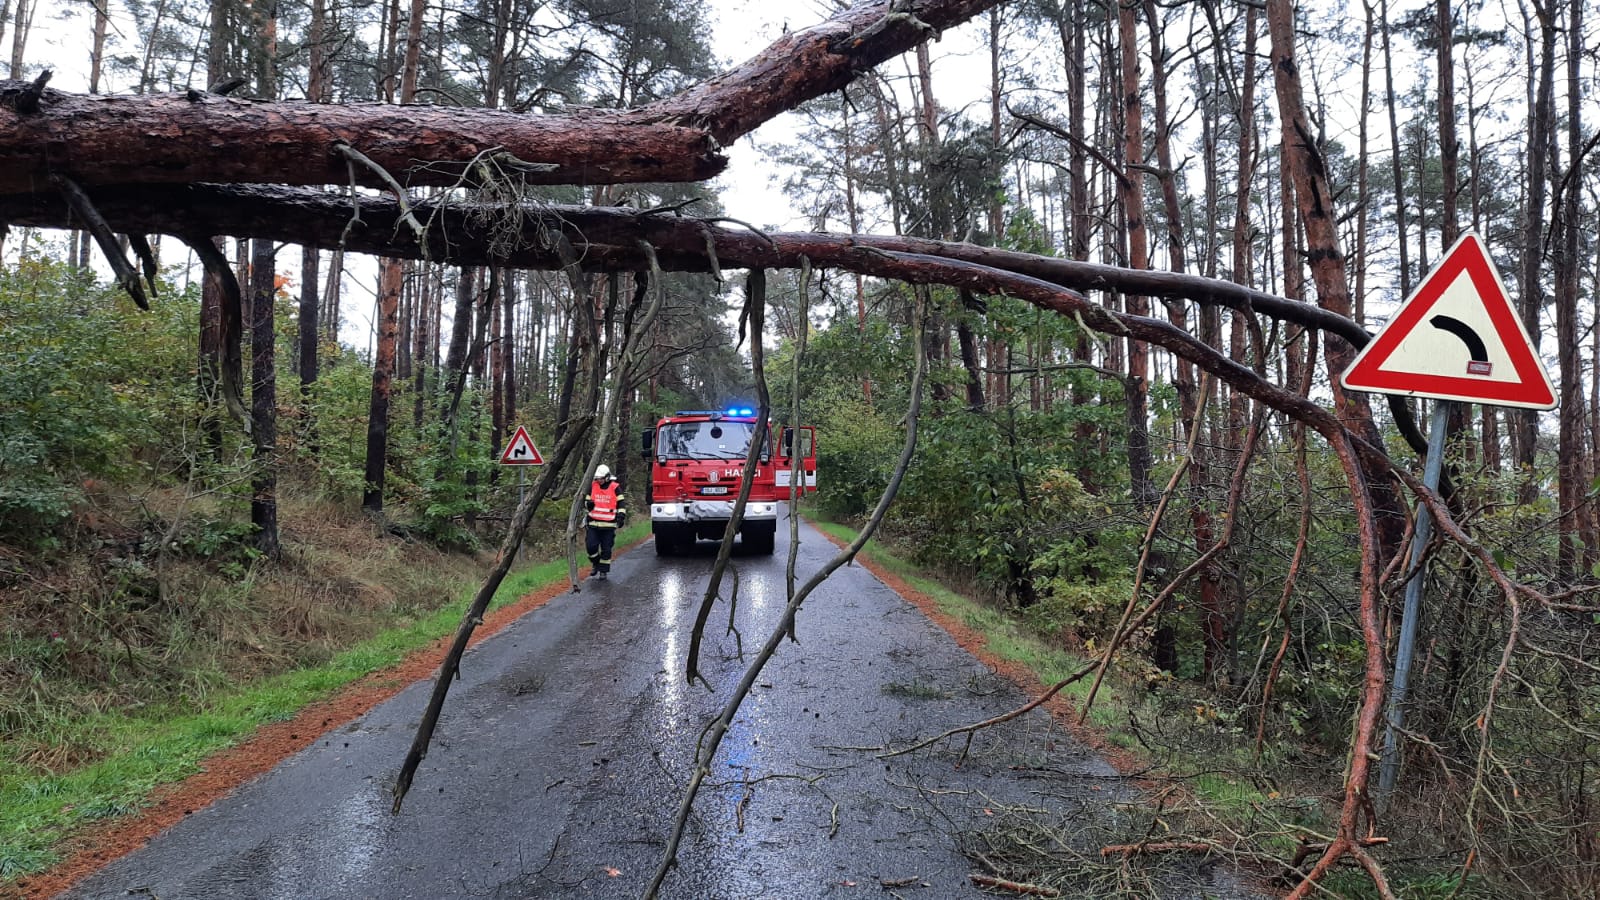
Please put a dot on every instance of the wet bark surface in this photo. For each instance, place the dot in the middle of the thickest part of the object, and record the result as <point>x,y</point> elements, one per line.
<point>563,753</point>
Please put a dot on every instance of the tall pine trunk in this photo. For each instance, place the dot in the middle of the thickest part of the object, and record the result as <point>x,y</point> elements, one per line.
<point>1131,186</point>
<point>1576,546</point>
<point>390,278</point>
<point>1395,156</point>
<point>310,263</point>
<point>310,257</point>
<point>391,281</point>
<point>1318,218</point>
<point>263,401</point>
<point>1541,132</point>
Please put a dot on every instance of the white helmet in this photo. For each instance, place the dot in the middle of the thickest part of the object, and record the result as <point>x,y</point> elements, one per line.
<point>603,472</point>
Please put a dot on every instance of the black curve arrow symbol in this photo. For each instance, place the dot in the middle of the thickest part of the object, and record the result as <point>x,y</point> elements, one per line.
<point>1462,330</point>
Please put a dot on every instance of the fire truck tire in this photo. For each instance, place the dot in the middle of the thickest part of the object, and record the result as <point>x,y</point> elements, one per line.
<point>760,541</point>
<point>667,541</point>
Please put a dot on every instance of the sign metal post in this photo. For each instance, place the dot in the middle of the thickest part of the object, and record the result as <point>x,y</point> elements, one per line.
<point>1456,339</point>
<point>1389,768</point>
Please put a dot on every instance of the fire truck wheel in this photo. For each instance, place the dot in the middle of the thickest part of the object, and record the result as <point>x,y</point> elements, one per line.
<point>760,542</point>
<point>667,541</point>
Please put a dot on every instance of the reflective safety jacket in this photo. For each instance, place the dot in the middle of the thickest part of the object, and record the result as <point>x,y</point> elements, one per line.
<point>605,504</point>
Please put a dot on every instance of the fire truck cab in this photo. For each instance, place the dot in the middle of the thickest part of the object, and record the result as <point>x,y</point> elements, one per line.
<point>696,462</point>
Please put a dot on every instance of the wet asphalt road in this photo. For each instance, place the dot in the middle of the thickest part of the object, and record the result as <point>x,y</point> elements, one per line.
<point>562,755</point>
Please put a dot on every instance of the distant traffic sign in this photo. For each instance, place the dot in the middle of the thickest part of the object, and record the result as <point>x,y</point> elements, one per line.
<point>1456,337</point>
<point>520,450</point>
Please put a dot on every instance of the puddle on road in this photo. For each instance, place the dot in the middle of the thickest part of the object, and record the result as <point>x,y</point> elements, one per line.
<point>341,852</point>
<point>354,830</point>
<point>672,696</point>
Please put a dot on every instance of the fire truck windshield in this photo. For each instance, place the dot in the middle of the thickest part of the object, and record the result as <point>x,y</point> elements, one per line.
<point>705,440</point>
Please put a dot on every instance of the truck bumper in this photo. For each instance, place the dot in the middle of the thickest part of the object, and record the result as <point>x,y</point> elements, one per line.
<point>703,511</point>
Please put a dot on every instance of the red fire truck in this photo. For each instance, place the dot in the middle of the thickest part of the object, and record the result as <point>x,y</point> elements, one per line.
<point>696,461</point>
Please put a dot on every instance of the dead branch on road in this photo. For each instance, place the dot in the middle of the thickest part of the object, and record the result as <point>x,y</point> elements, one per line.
<point>755,315</point>
<point>1125,628</point>
<point>1015,887</point>
<point>1156,847</point>
<point>451,666</point>
<point>797,481</point>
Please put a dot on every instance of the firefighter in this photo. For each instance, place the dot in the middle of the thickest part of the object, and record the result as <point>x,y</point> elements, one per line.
<point>607,513</point>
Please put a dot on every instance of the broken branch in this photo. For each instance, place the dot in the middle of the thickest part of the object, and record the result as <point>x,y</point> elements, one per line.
<point>1015,887</point>
<point>96,224</point>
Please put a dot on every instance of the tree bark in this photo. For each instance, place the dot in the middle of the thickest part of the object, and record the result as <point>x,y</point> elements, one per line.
<point>98,51</point>
<point>496,381</point>
<point>1214,621</point>
<point>1541,131</point>
<point>390,276</point>
<point>1238,404</point>
<point>1576,545</point>
<point>606,238</point>
<point>174,138</point>
<point>1131,186</point>
<point>508,356</point>
<point>455,360</point>
<point>21,28</point>
<point>1363,181</point>
<point>171,138</point>
<point>938,222</point>
<point>331,294</point>
<point>1327,262</point>
<point>1449,147</point>
<point>310,263</point>
<point>1395,156</point>
<point>212,344</point>
<point>263,401</point>
<point>423,341</point>
<point>1070,24</point>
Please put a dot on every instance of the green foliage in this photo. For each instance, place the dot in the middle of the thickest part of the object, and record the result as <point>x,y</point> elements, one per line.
<point>91,388</point>
<point>336,448</point>
<point>450,469</point>
<point>1088,579</point>
<point>1013,481</point>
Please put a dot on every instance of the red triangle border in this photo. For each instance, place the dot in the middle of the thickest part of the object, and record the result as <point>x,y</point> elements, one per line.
<point>521,434</point>
<point>1532,389</point>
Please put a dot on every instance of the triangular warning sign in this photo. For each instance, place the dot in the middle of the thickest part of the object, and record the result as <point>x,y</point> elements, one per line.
<point>1456,338</point>
<point>520,450</point>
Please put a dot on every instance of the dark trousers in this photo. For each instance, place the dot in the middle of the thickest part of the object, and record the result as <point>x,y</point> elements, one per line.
<point>600,540</point>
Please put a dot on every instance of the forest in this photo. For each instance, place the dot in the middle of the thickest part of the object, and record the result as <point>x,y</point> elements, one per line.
<point>323,256</point>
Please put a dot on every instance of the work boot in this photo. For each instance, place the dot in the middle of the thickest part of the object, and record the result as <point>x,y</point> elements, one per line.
<point>602,575</point>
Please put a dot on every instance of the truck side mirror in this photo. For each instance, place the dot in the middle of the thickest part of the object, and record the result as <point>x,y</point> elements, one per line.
<point>647,440</point>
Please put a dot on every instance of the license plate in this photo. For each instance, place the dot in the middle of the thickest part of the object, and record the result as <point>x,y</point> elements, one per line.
<point>714,490</point>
